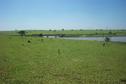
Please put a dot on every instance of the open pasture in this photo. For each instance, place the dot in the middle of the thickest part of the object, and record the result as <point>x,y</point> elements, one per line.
<point>59,61</point>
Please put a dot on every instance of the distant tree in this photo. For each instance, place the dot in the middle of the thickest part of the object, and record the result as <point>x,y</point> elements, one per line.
<point>110,32</point>
<point>22,33</point>
<point>41,35</point>
<point>81,29</point>
<point>54,30</point>
<point>50,30</point>
<point>62,29</point>
<point>114,33</point>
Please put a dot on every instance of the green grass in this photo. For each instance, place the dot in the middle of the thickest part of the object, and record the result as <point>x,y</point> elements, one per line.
<point>79,62</point>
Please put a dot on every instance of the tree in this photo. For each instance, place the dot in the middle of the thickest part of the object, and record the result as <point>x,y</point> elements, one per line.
<point>22,33</point>
<point>50,30</point>
<point>62,29</point>
<point>110,32</point>
<point>54,30</point>
<point>81,29</point>
<point>41,35</point>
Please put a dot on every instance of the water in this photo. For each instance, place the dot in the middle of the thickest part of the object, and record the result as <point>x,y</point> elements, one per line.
<point>113,39</point>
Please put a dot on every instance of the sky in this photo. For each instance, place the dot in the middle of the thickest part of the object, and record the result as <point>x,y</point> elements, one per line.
<point>59,14</point>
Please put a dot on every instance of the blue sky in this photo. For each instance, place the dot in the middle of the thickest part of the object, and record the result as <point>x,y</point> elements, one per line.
<point>58,14</point>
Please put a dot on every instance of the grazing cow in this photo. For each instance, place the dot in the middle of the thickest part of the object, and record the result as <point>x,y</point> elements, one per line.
<point>29,41</point>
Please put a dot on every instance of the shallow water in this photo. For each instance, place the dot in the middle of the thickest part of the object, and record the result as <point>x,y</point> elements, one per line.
<point>114,39</point>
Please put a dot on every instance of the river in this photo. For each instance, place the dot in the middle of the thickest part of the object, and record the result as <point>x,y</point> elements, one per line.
<point>113,39</point>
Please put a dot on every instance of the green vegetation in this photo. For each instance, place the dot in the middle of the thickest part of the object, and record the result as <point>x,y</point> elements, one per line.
<point>83,32</point>
<point>22,33</point>
<point>58,61</point>
<point>73,32</point>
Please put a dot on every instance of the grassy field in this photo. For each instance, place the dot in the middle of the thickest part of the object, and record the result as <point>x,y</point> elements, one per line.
<point>58,61</point>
